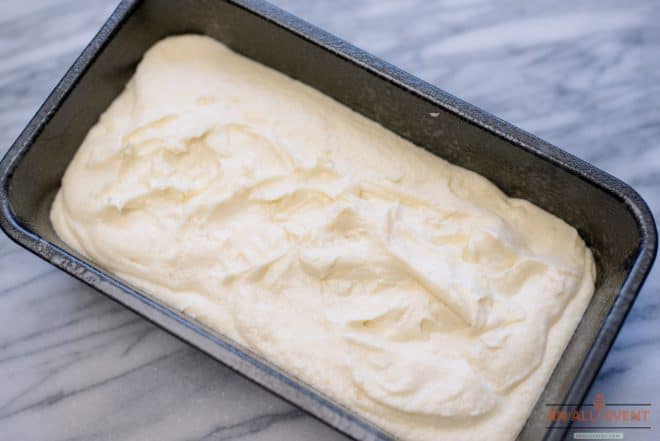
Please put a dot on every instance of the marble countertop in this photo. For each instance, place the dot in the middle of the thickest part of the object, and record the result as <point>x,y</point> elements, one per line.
<point>583,74</point>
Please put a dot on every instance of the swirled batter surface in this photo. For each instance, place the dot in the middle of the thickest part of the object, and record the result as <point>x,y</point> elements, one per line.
<point>408,289</point>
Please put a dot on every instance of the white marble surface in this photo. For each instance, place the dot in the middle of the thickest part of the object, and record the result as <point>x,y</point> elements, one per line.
<point>583,74</point>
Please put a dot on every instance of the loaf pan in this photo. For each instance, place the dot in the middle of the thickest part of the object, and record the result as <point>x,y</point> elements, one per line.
<point>613,220</point>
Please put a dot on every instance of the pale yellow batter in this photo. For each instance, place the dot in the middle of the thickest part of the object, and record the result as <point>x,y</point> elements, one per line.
<point>404,287</point>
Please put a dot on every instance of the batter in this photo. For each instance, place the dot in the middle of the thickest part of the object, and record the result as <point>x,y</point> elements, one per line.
<point>406,288</point>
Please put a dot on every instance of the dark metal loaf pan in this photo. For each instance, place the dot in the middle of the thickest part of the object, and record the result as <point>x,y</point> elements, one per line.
<point>610,216</point>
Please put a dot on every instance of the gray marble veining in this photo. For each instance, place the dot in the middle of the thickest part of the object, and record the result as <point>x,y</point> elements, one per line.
<point>584,75</point>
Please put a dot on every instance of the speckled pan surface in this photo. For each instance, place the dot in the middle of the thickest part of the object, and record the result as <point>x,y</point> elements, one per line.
<point>610,216</point>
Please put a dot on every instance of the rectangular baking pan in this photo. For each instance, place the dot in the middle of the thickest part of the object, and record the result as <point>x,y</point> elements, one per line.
<point>614,221</point>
